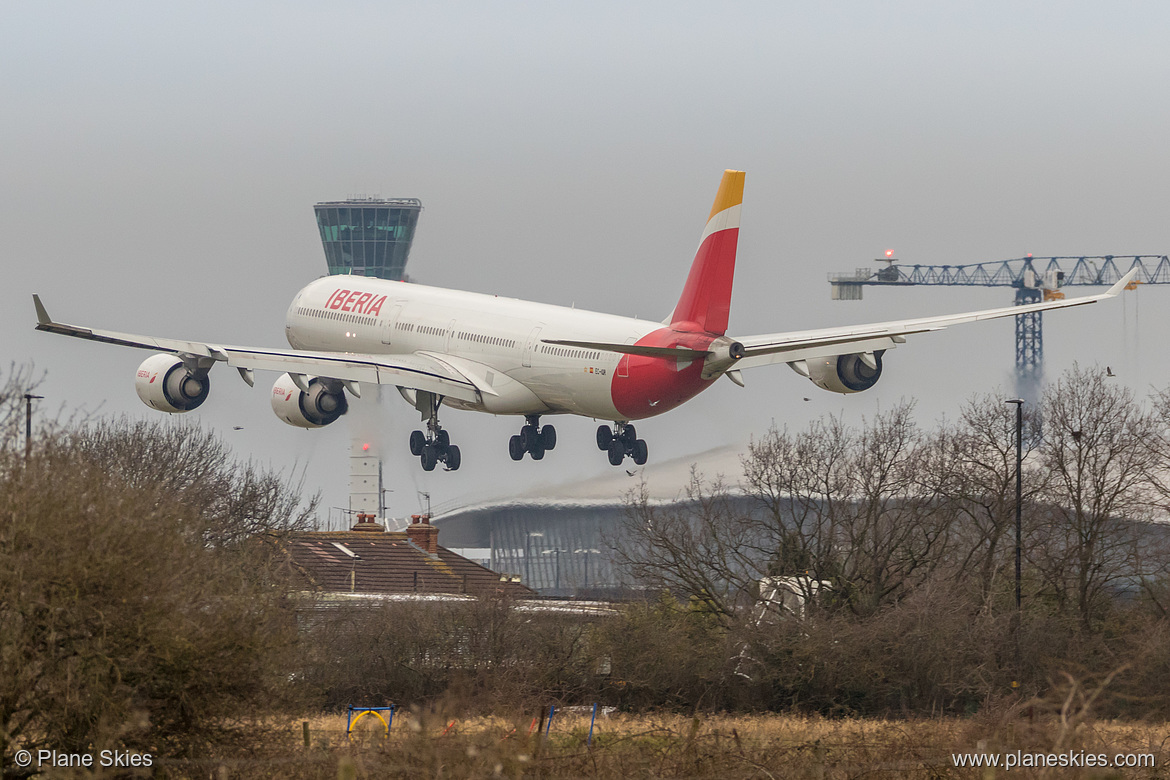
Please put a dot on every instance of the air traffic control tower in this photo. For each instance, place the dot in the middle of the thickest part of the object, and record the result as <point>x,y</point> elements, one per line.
<point>368,236</point>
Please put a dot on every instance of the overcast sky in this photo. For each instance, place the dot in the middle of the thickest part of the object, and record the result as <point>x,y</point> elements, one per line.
<point>160,162</point>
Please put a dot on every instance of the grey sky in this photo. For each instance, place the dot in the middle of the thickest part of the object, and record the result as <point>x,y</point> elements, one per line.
<point>160,162</point>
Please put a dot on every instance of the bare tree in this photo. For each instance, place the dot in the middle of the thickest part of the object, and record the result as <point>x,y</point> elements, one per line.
<point>702,548</point>
<point>851,507</point>
<point>972,465</point>
<point>833,504</point>
<point>122,624</point>
<point>894,535</point>
<point>802,485</point>
<point>233,501</point>
<point>1096,451</point>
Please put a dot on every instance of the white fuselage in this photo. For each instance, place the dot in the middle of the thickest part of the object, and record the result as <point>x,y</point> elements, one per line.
<point>496,339</point>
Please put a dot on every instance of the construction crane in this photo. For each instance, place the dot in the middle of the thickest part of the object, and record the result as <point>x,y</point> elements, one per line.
<point>1034,278</point>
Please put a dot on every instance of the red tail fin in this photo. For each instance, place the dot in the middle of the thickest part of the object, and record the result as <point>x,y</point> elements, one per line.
<point>705,303</point>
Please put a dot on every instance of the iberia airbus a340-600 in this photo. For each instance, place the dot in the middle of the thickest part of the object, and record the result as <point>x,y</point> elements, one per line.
<point>504,356</point>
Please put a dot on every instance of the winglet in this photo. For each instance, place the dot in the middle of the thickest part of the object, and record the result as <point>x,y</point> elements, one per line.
<point>1121,283</point>
<point>43,317</point>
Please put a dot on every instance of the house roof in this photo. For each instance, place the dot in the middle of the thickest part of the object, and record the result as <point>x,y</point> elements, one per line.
<point>390,563</point>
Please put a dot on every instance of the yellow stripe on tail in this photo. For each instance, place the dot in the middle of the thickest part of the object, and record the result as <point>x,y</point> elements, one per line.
<point>730,192</point>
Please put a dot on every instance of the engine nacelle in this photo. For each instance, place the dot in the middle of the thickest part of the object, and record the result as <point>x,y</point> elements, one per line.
<point>321,404</point>
<point>846,373</point>
<point>165,383</point>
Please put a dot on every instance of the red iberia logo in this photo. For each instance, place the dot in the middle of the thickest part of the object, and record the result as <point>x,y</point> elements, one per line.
<point>355,301</point>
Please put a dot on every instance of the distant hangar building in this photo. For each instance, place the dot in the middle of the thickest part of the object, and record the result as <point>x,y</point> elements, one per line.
<point>368,236</point>
<point>561,540</point>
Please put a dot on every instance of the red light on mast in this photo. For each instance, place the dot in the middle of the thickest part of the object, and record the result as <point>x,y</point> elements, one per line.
<point>889,253</point>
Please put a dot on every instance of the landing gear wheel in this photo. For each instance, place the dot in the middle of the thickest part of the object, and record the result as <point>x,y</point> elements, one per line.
<point>617,453</point>
<point>429,457</point>
<point>629,437</point>
<point>621,444</point>
<point>533,438</point>
<point>433,446</point>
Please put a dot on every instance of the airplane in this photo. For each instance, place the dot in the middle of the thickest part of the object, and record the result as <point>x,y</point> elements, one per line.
<point>470,351</point>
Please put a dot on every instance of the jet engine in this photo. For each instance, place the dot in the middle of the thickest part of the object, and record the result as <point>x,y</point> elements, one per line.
<point>320,403</point>
<point>165,383</point>
<point>846,373</point>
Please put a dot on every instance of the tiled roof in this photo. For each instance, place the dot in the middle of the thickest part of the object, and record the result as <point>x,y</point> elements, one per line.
<point>390,563</point>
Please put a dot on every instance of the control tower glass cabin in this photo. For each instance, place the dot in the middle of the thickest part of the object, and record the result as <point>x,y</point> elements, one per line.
<point>368,236</point>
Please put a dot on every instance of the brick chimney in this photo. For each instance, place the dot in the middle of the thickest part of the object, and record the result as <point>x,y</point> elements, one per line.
<point>422,533</point>
<point>368,523</point>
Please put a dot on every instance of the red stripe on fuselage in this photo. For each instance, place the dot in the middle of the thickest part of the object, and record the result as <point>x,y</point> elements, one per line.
<point>646,386</point>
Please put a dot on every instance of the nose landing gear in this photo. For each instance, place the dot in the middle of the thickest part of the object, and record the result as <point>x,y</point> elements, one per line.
<point>533,439</point>
<point>621,441</point>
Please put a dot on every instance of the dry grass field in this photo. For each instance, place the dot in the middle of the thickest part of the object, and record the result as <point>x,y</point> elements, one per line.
<point>433,745</point>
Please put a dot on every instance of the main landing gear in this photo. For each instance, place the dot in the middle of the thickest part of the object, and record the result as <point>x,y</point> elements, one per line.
<point>434,446</point>
<point>620,441</point>
<point>533,439</point>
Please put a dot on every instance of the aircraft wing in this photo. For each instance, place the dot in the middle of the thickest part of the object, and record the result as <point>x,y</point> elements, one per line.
<point>417,371</point>
<point>826,342</point>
